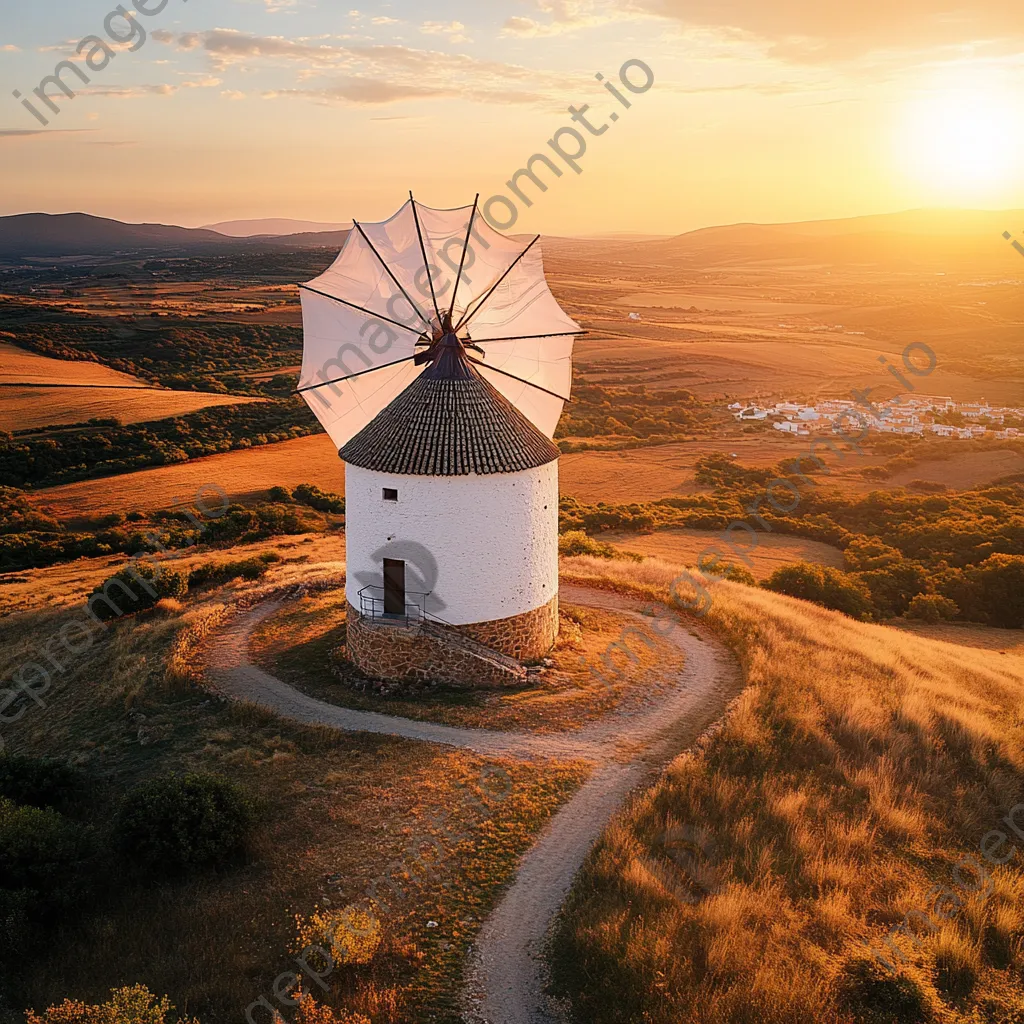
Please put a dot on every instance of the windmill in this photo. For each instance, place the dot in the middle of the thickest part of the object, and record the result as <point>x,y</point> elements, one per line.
<point>438,361</point>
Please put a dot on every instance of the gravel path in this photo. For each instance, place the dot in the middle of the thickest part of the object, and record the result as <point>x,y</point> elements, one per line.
<point>628,747</point>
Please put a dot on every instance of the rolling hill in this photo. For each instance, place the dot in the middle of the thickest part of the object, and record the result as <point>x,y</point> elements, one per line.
<point>79,234</point>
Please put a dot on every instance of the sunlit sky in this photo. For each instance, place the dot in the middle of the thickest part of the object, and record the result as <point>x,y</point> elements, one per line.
<point>761,110</point>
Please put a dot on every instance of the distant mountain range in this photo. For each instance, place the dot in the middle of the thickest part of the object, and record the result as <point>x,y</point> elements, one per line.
<point>80,234</point>
<point>272,226</point>
<point>945,239</point>
<point>942,239</point>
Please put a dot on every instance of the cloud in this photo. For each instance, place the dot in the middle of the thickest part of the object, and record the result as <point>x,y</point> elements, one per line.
<point>233,94</point>
<point>130,92</point>
<point>10,48</point>
<point>21,133</point>
<point>363,91</point>
<point>810,30</point>
<point>277,6</point>
<point>379,73</point>
<point>384,21</point>
<point>455,30</point>
<point>570,16</point>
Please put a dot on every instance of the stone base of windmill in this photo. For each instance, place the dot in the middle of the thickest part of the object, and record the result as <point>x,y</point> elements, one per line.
<point>485,655</point>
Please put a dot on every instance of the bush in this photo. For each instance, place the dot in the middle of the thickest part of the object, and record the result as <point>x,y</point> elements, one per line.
<point>177,824</point>
<point>37,781</point>
<point>823,585</point>
<point>352,936</point>
<point>143,583</point>
<point>893,588</point>
<point>932,608</point>
<point>577,542</point>
<point>873,995</point>
<point>134,1005</point>
<point>738,574</point>
<point>40,860</point>
<point>999,585</point>
<point>322,501</point>
<point>280,494</point>
<point>218,573</point>
<point>312,1012</point>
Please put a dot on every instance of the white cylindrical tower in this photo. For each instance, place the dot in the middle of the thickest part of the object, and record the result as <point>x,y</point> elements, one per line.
<point>451,507</point>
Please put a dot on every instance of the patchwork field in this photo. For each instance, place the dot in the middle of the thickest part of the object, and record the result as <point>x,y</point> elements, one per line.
<point>28,408</point>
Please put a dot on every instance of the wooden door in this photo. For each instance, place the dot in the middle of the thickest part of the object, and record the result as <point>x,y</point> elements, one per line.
<point>394,586</point>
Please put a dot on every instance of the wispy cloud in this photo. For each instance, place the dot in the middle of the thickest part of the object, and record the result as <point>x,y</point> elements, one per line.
<point>812,31</point>
<point>363,90</point>
<point>10,48</point>
<point>375,73</point>
<point>455,30</point>
<point>559,16</point>
<point>21,133</point>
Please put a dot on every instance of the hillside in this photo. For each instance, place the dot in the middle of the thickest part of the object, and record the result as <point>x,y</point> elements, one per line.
<point>80,234</point>
<point>950,239</point>
<point>852,789</point>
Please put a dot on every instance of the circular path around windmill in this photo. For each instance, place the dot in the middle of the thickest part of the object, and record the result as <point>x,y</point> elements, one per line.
<point>627,747</point>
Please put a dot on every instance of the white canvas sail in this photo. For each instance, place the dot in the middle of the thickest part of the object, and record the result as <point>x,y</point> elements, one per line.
<point>388,292</point>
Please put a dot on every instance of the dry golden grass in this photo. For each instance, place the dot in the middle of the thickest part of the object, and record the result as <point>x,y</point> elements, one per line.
<point>336,813</point>
<point>857,769</point>
<point>36,407</point>
<point>19,366</point>
<point>63,585</point>
<point>684,547</point>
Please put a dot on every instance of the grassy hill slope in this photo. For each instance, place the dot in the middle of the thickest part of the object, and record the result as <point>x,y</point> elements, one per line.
<point>859,785</point>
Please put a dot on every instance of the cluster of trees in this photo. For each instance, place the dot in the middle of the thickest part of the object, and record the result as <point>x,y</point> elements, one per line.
<point>633,413</point>
<point>948,555</point>
<point>56,845</point>
<point>29,540</point>
<point>991,592</point>
<point>174,352</point>
<point>62,457</point>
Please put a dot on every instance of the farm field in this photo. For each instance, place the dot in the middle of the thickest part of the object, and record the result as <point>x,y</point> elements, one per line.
<point>36,407</point>
<point>685,547</point>
<point>631,475</point>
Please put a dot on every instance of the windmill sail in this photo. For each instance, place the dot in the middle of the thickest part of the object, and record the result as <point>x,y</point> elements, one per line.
<point>388,297</point>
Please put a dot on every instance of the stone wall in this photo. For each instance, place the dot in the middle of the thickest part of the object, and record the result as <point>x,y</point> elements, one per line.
<point>409,654</point>
<point>526,637</point>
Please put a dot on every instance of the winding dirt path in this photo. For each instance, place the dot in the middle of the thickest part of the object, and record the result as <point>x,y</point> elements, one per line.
<point>628,747</point>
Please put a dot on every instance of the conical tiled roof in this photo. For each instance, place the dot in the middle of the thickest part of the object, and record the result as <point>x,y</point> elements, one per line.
<point>449,422</point>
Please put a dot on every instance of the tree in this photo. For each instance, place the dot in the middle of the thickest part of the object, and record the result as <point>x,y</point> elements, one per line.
<point>823,585</point>
<point>999,584</point>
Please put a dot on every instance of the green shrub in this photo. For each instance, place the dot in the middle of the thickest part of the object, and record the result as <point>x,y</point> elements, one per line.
<point>577,542</point>
<point>932,608</point>
<point>894,587</point>
<point>136,588</point>
<point>37,781</point>
<point>219,573</point>
<point>823,585</point>
<point>176,824</point>
<point>322,501</point>
<point>999,585</point>
<point>280,494</point>
<point>738,574</point>
<point>41,867</point>
<point>873,995</point>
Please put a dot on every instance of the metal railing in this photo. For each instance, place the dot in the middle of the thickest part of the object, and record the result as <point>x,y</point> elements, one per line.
<point>371,606</point>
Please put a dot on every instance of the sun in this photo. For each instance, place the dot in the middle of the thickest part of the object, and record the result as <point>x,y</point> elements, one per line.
<point>962,140</point>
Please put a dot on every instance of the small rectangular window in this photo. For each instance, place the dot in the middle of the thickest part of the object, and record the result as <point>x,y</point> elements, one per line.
<point>390,494</point>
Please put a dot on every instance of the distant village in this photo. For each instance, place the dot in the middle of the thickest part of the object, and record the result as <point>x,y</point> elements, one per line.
<point>904,414</point>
